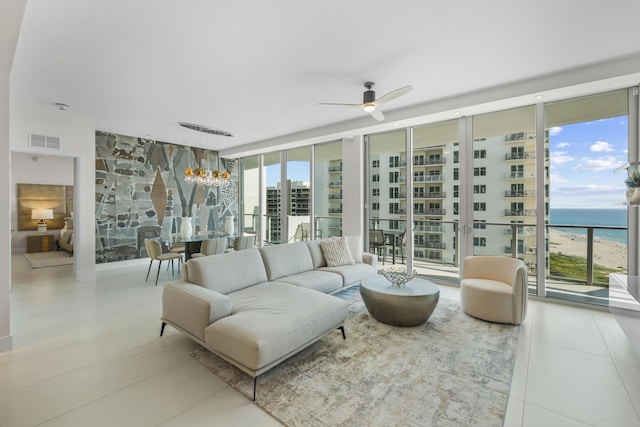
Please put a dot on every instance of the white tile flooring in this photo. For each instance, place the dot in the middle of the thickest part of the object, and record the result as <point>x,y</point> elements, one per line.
<point>89,354</point>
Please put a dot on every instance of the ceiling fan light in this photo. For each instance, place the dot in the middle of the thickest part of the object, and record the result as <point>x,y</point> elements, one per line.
<point>369,108</point>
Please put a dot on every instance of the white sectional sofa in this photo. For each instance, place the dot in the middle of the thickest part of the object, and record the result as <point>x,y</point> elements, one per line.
<point>258,307</point>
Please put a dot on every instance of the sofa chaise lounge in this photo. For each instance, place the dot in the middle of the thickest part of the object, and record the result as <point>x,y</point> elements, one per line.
<point>256,308</point>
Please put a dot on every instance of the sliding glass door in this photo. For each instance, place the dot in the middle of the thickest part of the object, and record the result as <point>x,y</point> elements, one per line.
<point>588,217</point>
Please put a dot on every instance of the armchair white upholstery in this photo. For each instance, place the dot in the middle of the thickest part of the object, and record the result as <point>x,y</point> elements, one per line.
<point>494,288</point>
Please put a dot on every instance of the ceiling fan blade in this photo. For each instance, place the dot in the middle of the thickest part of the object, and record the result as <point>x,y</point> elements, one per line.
<point>343,105</point>
<point>377,114</point>
<point>394,94</point>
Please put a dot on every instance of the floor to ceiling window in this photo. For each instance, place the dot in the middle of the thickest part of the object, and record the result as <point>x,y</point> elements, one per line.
<point>436,198</point>
<point>272,224</point>
<point>588,219</point>
<point>250,196</point>
<point>504,195</point>
<point>328,181</point>
<point>551,199</point>
<point>388,183</point>
<point>298,190</point>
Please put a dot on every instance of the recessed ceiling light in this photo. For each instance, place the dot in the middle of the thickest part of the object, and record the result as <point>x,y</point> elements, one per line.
<point>539,97</point>
<point>456,113</point>
<point>61,106</point>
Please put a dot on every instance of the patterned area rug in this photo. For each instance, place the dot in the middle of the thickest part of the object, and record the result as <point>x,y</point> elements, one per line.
<point>49,259</point>
<point>453,370</point>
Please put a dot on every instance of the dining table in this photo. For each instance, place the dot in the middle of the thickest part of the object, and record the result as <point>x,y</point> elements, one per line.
<point>193,243</point>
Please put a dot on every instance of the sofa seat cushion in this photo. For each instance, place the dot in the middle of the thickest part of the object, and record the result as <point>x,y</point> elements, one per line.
<point>323,281</point>
<point>286,260</point>
<point>271,321</point>
<point>352,273</point>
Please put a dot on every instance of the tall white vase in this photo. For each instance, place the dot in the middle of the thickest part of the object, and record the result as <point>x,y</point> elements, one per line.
<point>229,226</point>
<point>186,228</point>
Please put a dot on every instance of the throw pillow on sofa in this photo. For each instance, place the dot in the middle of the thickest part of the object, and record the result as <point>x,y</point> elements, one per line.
<point>355,247</point>
<point>336,252</point>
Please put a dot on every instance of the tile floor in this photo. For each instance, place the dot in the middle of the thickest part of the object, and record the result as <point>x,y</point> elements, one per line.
<point>89,354</point>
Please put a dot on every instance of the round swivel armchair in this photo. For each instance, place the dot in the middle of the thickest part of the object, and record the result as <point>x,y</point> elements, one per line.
<point>494,288</point>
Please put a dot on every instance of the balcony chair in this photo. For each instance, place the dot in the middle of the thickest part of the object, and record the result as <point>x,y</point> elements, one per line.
<point>211,247</point>
<point>378,243</point>
<point>494,288</point>
<point>401,242</point>
<point>154,250</point>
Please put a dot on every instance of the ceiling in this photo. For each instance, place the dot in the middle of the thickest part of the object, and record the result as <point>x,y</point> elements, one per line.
<point>259,69</point>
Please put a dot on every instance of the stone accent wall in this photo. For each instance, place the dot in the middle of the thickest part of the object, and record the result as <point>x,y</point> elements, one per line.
<point>140,193</point>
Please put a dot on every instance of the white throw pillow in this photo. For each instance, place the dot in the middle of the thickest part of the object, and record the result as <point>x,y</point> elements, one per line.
<point>336,252</point>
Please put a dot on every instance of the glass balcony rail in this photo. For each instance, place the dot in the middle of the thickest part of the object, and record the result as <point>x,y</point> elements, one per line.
<point>335,196</point>
<point>520,156</point>
<point>428,178</point>
<point>429,162</point>
<point>335,168</point>
<point>519,175</point>
<point>521,193</point>
<point>517,212</point>
<point>398,196</point>
<point>335,210</point>
<point>431,245</point>
<point>398,164</point>
<point>335,183</point>
<point>519,136</point>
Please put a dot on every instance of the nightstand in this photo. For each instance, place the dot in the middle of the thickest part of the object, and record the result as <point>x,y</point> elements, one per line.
<point>40,243</point>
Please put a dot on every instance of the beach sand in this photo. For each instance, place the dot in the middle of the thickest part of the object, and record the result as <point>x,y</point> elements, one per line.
<point>605,252</point>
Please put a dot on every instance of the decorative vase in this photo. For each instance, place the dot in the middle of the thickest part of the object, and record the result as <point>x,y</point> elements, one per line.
<point>228,226</point>
<point>633,195</point>
<point>186,228</point>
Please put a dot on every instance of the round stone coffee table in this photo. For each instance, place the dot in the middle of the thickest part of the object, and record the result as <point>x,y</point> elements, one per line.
<point>408,305</point>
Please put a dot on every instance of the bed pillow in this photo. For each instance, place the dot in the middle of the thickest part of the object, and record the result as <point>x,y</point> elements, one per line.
<point>336,252</point>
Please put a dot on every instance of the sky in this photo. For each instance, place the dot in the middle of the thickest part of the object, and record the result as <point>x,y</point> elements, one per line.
<point>583,158</point>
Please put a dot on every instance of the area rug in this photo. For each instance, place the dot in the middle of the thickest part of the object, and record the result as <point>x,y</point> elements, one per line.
<point>454,370</point>
<point>48,259</point>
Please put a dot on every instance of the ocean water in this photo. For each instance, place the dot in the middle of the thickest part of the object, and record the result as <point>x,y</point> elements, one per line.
<point>606,217</point>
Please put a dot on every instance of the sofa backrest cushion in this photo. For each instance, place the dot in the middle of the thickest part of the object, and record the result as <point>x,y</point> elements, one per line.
<point>316,253</point>
<point>285,260</point>
<point>227,272</point>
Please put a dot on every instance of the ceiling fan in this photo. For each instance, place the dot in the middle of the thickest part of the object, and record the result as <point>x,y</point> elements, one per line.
<point>370,103</point>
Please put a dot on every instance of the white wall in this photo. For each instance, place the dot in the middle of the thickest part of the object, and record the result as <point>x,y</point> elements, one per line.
<point>5,215</point>
<point>49,170</point>
<point>77,140</point>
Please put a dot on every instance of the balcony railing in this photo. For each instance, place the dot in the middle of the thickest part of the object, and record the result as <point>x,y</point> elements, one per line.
<point>524,212</point>
<point>522,193</point>
<point>429,211</point>
<point>335,168</point>
<point>335,183</point>
<point>519,175</point>
<point>398,196</point>
<point>519,156</point>
<point>429,162</point>
<point>428,178</point>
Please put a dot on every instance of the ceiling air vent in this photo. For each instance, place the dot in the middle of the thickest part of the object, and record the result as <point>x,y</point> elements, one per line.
<point>43,141</point>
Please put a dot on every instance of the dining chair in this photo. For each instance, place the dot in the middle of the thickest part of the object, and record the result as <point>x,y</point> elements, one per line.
<point>244,242</point>
<point>154,250</point>
<point>378,243</point>
<point>211,247</point>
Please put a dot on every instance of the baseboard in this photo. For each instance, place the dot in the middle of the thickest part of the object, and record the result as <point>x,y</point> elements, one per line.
<point>6,343</point>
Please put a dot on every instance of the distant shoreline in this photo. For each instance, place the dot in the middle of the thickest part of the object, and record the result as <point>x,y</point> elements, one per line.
<point>607,253</point>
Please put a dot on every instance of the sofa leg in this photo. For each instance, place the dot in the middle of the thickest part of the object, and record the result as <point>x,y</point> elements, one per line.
<point>344,336</point>
<point>255,380</point>
<point>162,328</point>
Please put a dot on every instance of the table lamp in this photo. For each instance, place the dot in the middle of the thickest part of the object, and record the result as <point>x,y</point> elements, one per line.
<point>42,214</point>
